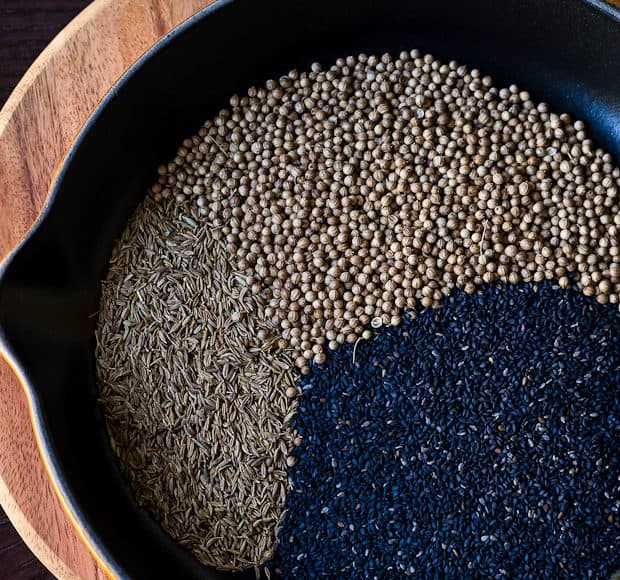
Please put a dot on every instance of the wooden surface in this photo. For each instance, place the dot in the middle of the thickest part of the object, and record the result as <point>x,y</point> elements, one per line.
<point>26,27</point>
<point>37,124</point>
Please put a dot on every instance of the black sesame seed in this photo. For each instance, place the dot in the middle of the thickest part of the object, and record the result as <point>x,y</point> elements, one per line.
<point>479,439</point>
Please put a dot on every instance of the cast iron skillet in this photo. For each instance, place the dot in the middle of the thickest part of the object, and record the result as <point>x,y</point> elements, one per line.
<point>564,51</point>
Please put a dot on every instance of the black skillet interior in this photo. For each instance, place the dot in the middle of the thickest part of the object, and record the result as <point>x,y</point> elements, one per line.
<point>564,51</point>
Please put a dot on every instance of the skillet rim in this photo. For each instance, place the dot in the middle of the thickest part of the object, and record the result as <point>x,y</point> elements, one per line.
<point>88,536</point>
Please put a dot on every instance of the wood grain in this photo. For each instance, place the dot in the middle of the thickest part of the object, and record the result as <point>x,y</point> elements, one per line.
<point>37,125</point>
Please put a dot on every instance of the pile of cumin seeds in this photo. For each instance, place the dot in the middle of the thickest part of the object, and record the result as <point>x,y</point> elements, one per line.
<point>197,397</point>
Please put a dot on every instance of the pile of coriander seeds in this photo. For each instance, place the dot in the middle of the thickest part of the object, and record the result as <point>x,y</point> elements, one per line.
<point>322,205</point>
<point>350,193</point>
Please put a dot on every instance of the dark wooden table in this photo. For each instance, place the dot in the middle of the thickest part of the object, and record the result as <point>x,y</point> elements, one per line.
<point>26,27</point>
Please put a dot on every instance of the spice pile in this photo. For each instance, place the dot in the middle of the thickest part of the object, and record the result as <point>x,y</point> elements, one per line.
<point>196,395</point>
<point>479,440</point>
<point>350,193</point>
<point>315,208</point>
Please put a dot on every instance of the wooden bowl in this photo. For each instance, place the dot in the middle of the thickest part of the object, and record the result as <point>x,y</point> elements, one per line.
<point>564,52</point>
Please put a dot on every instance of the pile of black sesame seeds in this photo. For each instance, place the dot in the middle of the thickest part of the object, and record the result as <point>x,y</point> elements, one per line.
<point>479,440</point>
<point>343,199</point>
